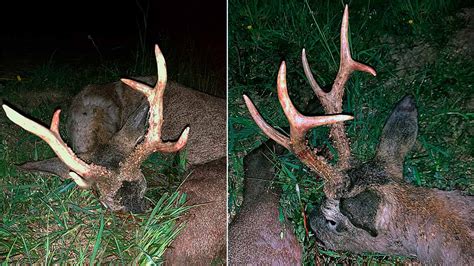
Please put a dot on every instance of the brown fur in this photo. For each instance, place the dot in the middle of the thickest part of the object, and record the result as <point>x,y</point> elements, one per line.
<point>203,241</point>
<point>115,102</point>
<point>256,236</point>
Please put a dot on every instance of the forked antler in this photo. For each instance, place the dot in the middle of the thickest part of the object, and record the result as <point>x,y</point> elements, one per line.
<point>152,141</point>
<point>332,100</point>
<point>300,124</point>
<point>54,140</point>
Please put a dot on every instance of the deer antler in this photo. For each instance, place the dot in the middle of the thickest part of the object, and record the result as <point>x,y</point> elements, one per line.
<point>54,140</point>
<point>152,141</point>
<point>299,126</point>
<point>332,100</point>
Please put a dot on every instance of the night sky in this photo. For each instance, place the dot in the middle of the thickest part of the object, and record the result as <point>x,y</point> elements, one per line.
<point>37,29</point>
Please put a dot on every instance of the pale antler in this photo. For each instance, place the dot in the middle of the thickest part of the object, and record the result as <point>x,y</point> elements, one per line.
<point>152,141</point>
<point>54,140</point>
<point>332,100</point>
<point>299,126</point>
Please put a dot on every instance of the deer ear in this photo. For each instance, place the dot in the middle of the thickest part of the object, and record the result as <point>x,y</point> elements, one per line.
<point>53,166</point>
<point>361,210</point>
<point>137,120</point>
<point>398,136</point>
<point>133,130</point>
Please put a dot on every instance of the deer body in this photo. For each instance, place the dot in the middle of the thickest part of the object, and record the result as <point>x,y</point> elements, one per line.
<point>203,241</point>
<point>256,235</point>
<point>396,218</point>
<point>370,207</point>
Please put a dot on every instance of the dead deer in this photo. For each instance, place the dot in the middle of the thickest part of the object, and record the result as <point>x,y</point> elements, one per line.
<point>370,207</point>
<point>256,235</point>
<point>111,138</point>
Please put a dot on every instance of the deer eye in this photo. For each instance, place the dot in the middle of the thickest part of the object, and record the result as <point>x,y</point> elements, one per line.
<point>331,223</point>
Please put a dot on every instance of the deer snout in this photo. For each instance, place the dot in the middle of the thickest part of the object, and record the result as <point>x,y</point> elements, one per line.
<point>318,219</point>
<point>325,220</point>
<point>316,223</point>
<point>131,196</point>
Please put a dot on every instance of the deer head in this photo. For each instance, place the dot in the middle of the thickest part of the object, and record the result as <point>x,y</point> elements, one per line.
<point>113,169</point>
<point>369,207</point>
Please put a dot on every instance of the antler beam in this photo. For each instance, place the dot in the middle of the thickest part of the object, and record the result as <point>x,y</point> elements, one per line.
<point>54,140</point>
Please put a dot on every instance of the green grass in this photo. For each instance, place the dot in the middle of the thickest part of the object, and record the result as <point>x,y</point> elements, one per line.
<point>264,33</point>
<point>49,221</point>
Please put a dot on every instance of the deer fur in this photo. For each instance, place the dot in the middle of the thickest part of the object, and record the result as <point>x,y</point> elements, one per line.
<point>256,235</point>
<point>203,241</point>
<point>106,108</point>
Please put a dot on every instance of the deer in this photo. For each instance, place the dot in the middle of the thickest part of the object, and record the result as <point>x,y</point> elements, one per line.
<point>114,127</point>
<point>369,207</point>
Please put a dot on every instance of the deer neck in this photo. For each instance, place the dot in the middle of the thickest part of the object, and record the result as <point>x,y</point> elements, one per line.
<point>428,227</point>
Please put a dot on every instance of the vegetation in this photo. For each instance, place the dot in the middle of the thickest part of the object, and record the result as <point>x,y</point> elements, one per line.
<point>416,48</point>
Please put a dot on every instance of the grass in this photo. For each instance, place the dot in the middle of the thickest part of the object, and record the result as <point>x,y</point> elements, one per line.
<point>49,221</point>
<point>410,44</point>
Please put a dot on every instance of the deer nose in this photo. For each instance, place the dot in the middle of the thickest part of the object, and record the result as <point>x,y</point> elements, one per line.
<point>407,104</point>
<point>313,217</point>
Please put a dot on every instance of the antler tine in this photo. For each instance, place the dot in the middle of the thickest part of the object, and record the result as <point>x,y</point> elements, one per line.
<point>347,64</point>
<point>309,75</point>
<point>153,142</point>
<point>332,100</point>
<point>299,126</point>
<point>54,140</point>
<point>265,127</point>
<point>346,67</point>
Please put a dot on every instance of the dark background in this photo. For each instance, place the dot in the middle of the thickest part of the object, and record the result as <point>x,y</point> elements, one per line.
<point>34,32</point>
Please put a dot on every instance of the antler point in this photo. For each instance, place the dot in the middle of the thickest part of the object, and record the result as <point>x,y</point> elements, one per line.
<point>157,49</point>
